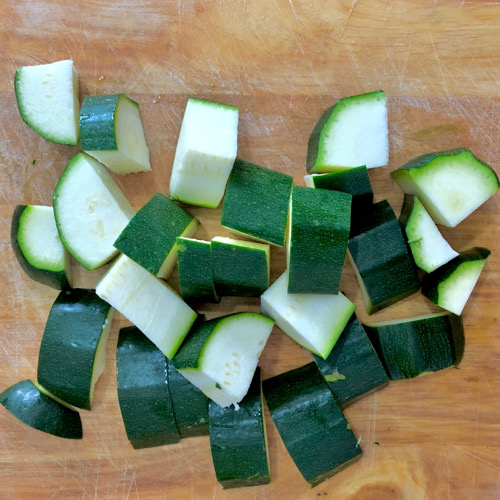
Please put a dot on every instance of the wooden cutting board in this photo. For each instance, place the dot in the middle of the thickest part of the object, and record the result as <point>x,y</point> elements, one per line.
<point>281,63</point>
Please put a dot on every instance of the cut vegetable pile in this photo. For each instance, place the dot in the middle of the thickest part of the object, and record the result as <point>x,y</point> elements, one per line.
<point>181,375</point>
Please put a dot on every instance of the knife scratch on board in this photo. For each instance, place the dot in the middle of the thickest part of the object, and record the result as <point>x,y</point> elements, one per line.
<point>348,19</point>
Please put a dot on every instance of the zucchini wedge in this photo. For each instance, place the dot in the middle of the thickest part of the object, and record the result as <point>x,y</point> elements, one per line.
<point>143,392</point>
<point>450,184</point>
<point>28,402</point>
<point>111,132</point>
<point>47,97</point>
<point>416,346</point>
<point>38,248</point>
<point>256,202</point>
<point>150,237</point>
<point>73,349</point>
<point>451,285</point>
<point>311,423</point>
<point>220,356</point>
<point>238,440</point>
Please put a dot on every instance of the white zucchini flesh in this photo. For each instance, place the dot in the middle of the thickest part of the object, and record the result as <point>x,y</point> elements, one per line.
<point>47,96</point>
<point>313,321</point>
<point>90,210</point>
<point>430,250</point>
<point>229,358</point>
<point>149,303</point>
<point>205,153</point>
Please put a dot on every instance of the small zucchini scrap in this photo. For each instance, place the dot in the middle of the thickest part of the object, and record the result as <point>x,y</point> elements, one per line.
<point>73,349</point>
<point>353,369</point>
<point>320,221</point>
<point>451,285</point>
<point>240,268</point>
<point>238,440</point>
<point>311,423</point>
<point>111,131</point>
<point>256,202</point>
<point>381,259</point>
<point>450,184</point>
<point>150,237</point>
<point>30,403</point>
<point>415,346</point>
<point>143,391</point>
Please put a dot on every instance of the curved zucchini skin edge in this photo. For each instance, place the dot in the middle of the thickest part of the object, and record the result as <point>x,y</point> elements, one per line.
<point>39,411</point>
<point>55,279</point>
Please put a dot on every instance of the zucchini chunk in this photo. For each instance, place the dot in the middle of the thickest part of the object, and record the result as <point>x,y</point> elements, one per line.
<point>189,403</point>
<point>311,423</point>
<point>194,266</point>
<point>143,393</point>
<point>38,248</point>
<point>148,303</point>
<point>430,250</point>
<point>111,131</point>
<point>450,184</point>
<point>351,133</point>
<point>47,97</point>
<point>354,181</point>
<point>256,202</point>
<point>313,321</point>
<point>320,222</point>
<point>451,285</point>
<point>205,153</point>
<point>73,349</point>
<point>240,268</point>
<point>220,356</point>
<point>416,346</point>
<point>90,211</point>
<point>238,440</point>
<point>31,405</point>
<point>150,237</point>
<point>353,369</point>
<point>381,259</point>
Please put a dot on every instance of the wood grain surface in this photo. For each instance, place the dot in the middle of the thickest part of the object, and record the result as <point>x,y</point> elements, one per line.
<point>281,63</point>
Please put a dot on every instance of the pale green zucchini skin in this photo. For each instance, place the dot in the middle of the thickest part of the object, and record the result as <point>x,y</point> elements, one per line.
<point>39,411</point>
<point>311,423</point>
<point>238,440</point>
<point>416,346</point>
<point>143,391</point>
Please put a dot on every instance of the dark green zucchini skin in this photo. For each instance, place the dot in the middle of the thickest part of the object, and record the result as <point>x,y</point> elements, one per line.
<point>353,368</point>
<point>57,280</point>
<point>257,201</point>
<point>382,257</point>
<point>426,344</point>
<point>311,423</point>
<point>69,343</point>
<point>238,440</point>
<point>143,392</point>
<point>189,403</point>
<point>35,409</point>
<point>313,143</point>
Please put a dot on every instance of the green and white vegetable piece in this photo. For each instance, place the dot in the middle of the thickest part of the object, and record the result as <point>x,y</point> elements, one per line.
<point>73,348</point>
<point>430,250</point>
<point>451,285</point>
<point>205,153</point>
<point>417,346</point>
<point>90,211</point>
<point>313,321</point>
<point>220,356</point>
<point>351,133</point>
<point>47,97</point>
<point>450,184</point>
<point>148,302</point>
<point>111,131</point>
<point>38,248</point>
<point>30,403</point>
<point>150,237</point>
